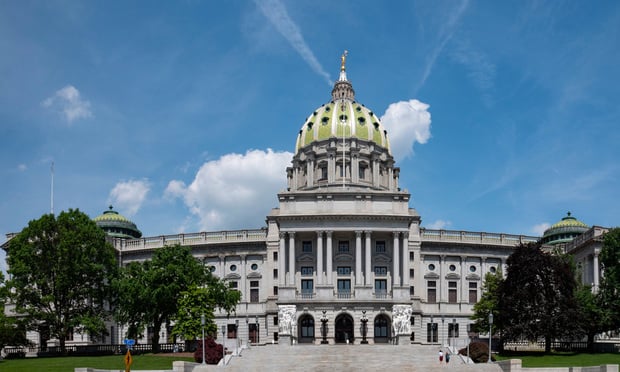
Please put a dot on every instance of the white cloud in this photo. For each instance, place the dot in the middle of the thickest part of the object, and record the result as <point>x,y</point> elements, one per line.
<point>22,167</point>
<point>438,225</point>
<point>539,229</point>
<point>69,102</point>
<point>276,13</point>
<point>407,122</point>
<point>234,191</point>
<point>129,195</point>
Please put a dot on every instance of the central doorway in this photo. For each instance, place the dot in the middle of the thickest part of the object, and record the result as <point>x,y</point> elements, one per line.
<point>382,329</point>
<point>306,329</point>
<point>344,329</point>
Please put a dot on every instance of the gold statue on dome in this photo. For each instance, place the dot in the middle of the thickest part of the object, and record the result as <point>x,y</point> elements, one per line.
<point>343,60</point>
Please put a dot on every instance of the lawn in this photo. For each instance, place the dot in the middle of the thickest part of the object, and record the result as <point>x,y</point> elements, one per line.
<point>67,364</point>
<point>539,359</point>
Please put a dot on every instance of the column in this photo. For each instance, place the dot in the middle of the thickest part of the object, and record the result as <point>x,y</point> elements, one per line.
<point>406,277</point>
<point>358,258</point>
<point>291,259</point>
<point>329,258</point>
<point>464,282</point>
<point>368,250</point>
<point>282,260</point>
<point>442,261</point>
<point>395,258</point>
<point>595,270</point>
<point>319,257</point>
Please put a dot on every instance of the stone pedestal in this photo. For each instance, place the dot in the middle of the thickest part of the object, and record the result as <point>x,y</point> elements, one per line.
<point>402,340</point>
<point>285,340</point>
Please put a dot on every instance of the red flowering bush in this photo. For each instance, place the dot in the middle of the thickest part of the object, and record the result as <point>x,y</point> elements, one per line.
<point>213,351</point>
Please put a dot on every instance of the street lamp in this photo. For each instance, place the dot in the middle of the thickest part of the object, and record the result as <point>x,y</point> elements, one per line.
<point>454,333</point>
<point>237,337</point>
<point>490,334</point>
<point>443,327</point>
<point>432,330</point>
<point>364,321</point>
<point>223,346</point>
<point>257,330</point>
<point>202,322</point>
<point>324,328</point>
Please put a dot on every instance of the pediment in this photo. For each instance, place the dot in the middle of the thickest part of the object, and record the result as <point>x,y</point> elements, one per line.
<point>254,275</point>
<point>431,276</point>
<point>453,276</point>
<point>232,276</point>
<point>473,277</point>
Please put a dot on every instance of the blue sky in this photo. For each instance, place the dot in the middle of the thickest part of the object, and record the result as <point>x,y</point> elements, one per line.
<point>183,115</point>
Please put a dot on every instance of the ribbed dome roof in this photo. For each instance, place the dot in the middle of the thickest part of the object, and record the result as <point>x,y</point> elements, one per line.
<point>117,225</point>
<point>342,117</point>
<point>564,231</point>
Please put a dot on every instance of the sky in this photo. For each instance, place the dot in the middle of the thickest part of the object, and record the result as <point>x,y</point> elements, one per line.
<point>502,115</point>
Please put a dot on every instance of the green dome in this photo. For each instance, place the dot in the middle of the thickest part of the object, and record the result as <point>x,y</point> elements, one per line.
<point>342,117</point>
<point>117,225</point>
<point>564,231</point>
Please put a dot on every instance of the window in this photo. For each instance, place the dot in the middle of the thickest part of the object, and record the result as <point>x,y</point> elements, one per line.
<point>344,270</point>
<point>275,256</point>
<point>343,246</point>
<point>493,269</point>
<point>452,292</point>
<point>323,173</point>
<point>232,330</point>
<point>344,286</point>
<point>253,295</point>
<point>473,292</point>
<point>275,320</point>
<point>306,246</point>
<point>453,330</point>
<point>380,270</point>
<point>254,267</point>
<point>411,291</point>
<point>380,286</point>
<point>411,256</point>
<point>380,246</point>
<point>411,273</point>
<point>233,267</point>
<point>431,267</point>
<point>254,283</point>
<point>431,291</point>
<point>232,285</point>
<point>362,170</point>
<point>212,268</point>
<point>275,336</point>
<point>431,332</point>
<point>307,327</point>
<point>472,268</point>
<point>452,268</point>
<point>275,273</point>
<point>307,286</point>
<point>275,290</point>
<point>307,270</point>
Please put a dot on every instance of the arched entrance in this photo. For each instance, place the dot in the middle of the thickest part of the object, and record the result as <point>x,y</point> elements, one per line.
<point>344,329</point>
<point>306,329</point>
<point>383,329</point>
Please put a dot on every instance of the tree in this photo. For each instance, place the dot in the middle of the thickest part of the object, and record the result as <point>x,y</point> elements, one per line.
<point>610,284</point>
<point>12,331</point>
<point>61,269</point>
<point>489,302</point>
<point>197,301</point>
<point>149,291</point>
<point>537,298</point>
<point>591,313</point>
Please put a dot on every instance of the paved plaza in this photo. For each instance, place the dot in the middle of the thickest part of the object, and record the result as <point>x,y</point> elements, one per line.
<point>348,358</point>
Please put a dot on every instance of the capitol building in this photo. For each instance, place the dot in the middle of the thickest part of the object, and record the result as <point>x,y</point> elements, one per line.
<point>343,258</point>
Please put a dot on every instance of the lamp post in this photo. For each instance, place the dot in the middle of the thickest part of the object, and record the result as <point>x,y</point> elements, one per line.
<point>443,327</point>
<point>237,337</point>
<point>247,323</point>
<point>432,330</point>
<point>257,330</point>
<point>223,345</point>
<point>364,329</point>
<point>454,332</point>
<point>324,328</point>
<point>490,334</point>
<point>202,323</point>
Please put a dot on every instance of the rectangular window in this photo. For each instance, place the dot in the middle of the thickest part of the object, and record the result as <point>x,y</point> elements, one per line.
<point>380,286</point>
<point>275,273</point>
<point>275,320</point>
<point>275,256</point>
<point>362,172</point>
<point>380,246</point>
<point>452,292</point>
<point>411,256</point>
<point>323,173</point>
<point>232,330</point>
<point>411,273</point>
<point>343,246</point>
<point>411,291</point>
<point>306,246</point>
<point>431,332</point>
<point>307,270</point>
<point>232,285</point>
<point>380,270</point>
<point>254,295</point>
<point>275,290</point>
<point>431,286</point>
<point>473,292</point>
<point>344,286</point>
<point>254,283</point>
<point>453,330</point>
<point>344,270</point>
<point>275,336</point>
<point>307,286</point>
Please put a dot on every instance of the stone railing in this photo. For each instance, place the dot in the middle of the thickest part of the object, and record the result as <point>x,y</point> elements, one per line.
<point>216,237</point>
<point>456,236</point>
<point>594,233</point>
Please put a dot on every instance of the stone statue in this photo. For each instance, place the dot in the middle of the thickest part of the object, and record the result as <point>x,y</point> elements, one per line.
<point>401,323</point>
<point>287,320</point>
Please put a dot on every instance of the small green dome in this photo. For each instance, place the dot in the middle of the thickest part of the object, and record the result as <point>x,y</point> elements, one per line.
<point>117,225</point>
<point>564,231</point>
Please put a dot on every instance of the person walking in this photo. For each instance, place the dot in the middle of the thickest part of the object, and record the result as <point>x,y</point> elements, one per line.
<point>440,356</point>
<point>447,357</point>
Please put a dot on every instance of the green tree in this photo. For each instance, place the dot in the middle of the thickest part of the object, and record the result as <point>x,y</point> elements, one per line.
<point>12,331</point>
<point>197,301</point>
<point>489,302</point>
<point>149,291</point>
<point>537,298</point>
<point>591,313</point>
<point>60,271</point>
<point>610,283</point>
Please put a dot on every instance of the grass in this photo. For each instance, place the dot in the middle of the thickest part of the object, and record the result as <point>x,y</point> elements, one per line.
<point>558,359</point>
<point>67,364</point>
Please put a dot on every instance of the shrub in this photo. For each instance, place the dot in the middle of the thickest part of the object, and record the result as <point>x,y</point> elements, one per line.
<point>213,351</point>
<point>478,352</point>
